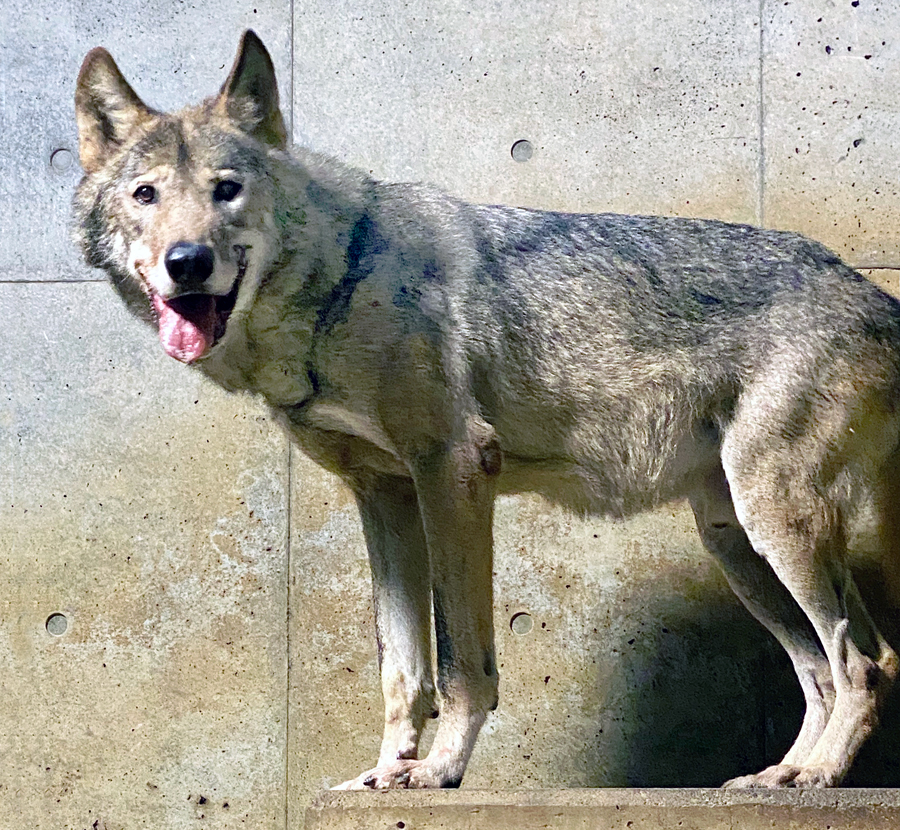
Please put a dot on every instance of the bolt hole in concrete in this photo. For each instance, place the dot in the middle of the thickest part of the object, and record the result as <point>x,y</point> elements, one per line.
<point>521,623</point>
<point>522,150</point>
<point>57,624</point>
<point>61,160</point>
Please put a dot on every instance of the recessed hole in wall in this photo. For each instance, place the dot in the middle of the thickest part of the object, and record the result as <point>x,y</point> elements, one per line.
<point>521,623</point>
<point>57,624</point>
<point>522,150</point>
<point>61,160</point>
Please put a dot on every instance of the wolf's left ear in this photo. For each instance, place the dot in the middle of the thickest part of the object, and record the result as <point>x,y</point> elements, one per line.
<point>107,109</point>
<point>250,95</point>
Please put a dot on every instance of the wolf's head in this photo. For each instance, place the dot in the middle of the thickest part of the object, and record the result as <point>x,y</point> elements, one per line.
<point>179,209</point>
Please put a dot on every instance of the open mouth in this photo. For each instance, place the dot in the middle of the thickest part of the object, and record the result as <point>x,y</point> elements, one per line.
<point>191,324</point>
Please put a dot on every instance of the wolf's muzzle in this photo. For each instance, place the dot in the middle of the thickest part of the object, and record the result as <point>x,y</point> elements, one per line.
<point>189,264</point>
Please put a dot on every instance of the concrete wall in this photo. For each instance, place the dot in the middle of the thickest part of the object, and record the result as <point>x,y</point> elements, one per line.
<point>217,666</point>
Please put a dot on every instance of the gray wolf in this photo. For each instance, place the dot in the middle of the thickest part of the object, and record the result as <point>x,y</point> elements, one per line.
<point>435,353</point>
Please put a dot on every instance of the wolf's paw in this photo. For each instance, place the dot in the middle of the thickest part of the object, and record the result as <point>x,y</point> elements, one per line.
<point>785,775</point>
<point>402,775</point>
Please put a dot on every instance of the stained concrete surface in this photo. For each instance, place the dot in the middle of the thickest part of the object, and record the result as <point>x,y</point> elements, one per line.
<point>146,509</point>
<point>218,646</point>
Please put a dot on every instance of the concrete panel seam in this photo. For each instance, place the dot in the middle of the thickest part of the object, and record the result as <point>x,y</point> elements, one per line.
<point>292,80</point>
<point>761,161</point>
<point>287,545</point>
<point>861,266</point>
<point>287,614</point>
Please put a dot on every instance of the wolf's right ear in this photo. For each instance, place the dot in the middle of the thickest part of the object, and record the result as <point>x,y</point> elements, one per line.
<point>249,96</point>
<point>107,109</point>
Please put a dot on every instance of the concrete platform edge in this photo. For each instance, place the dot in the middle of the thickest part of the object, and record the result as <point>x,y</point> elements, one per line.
<point>602,809</point>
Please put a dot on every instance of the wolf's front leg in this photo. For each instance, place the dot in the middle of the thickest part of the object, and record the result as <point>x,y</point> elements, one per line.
<point>401,580</point>
<point>456,487</point>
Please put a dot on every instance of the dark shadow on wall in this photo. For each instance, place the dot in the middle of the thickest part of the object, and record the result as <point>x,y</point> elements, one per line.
<point>707,694</point>
<point>700,693</point>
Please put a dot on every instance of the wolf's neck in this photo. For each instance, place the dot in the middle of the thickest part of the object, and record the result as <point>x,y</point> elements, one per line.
<point>326,233</point>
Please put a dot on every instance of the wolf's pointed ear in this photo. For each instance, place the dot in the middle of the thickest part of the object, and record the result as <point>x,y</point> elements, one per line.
<point>107,109</point>
<point>250,95</point>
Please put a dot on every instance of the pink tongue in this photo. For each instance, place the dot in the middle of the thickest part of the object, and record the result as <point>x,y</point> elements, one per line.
<point>187,325</point>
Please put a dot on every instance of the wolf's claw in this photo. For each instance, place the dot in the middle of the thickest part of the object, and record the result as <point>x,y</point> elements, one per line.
<point>400,775</point>
<point>785,775</point>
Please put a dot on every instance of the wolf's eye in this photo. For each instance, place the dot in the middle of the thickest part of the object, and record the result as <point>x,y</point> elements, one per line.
<point>227,191</point>
<point>145,194</point>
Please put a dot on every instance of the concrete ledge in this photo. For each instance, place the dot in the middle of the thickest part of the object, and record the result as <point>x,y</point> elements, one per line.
<point>608,809</point>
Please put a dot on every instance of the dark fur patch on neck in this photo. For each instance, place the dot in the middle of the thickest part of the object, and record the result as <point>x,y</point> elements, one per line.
<point>365,244</point>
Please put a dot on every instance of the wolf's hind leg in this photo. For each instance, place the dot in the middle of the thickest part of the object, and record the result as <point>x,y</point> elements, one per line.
<point>795,526</point>
<point>761,592</point>
<point>401,580</point>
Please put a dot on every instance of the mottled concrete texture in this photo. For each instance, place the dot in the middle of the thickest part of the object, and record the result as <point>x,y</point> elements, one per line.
<point>185,614</point>
<point>831,74</point>
<point>629,106</point>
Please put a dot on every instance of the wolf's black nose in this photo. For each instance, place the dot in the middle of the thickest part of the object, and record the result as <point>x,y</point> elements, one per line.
<point>188,263</point>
